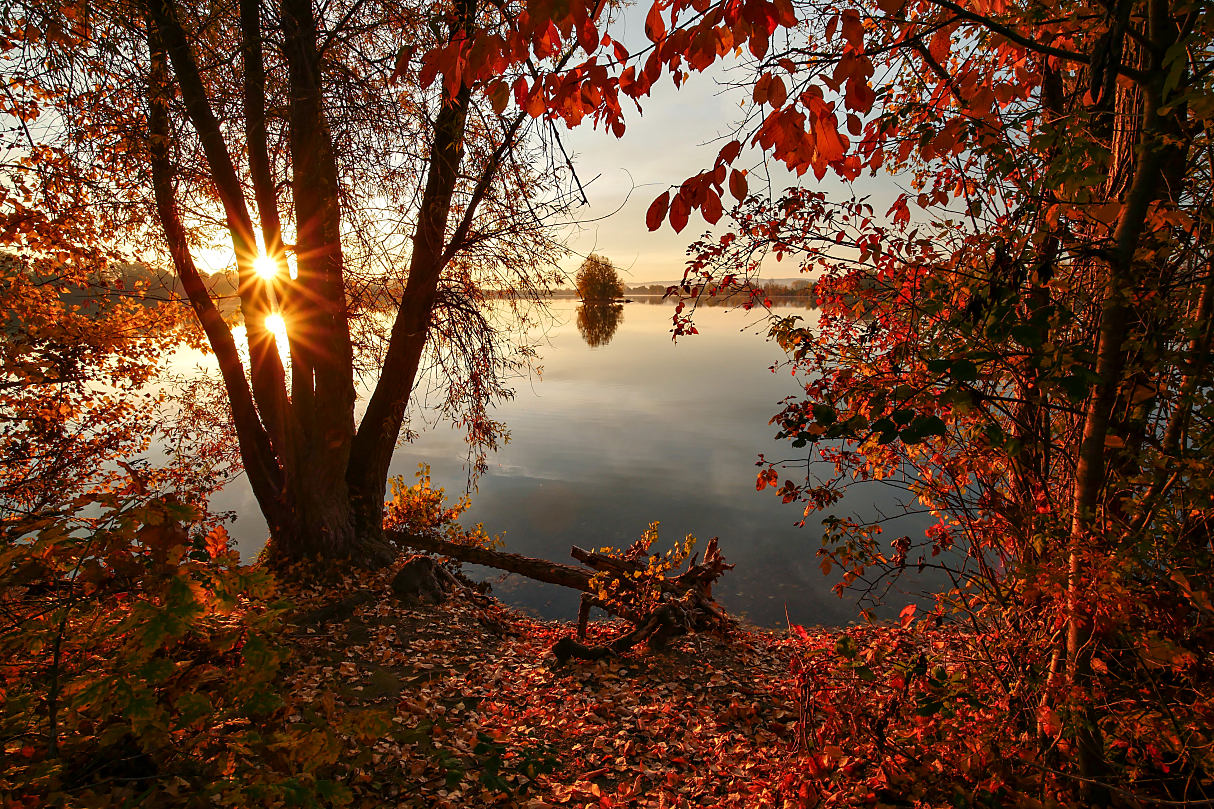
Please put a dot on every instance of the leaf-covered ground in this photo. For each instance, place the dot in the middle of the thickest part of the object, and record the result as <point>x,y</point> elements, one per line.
<point>463,705</point>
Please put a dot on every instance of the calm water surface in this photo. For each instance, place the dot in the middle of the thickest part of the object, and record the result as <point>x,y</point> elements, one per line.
<point>639,429</point>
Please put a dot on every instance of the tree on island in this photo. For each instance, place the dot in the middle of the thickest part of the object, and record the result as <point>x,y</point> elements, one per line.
<point>597,280</point>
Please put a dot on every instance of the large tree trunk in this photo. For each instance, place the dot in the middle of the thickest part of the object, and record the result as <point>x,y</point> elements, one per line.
<point>319,481</point>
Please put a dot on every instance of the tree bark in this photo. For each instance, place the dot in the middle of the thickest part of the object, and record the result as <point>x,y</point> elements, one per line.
<point>1088,534</point>
<point>265,476</point>
<point>575,578</point>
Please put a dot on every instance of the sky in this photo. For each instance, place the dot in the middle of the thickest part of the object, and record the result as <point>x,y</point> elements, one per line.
<point>678,134</point>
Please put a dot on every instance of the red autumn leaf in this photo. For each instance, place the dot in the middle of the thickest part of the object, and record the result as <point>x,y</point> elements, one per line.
<point>429,69</point>
<point>787,15</point>
<point>679,211</point>
<point>499,95</point>
<point>761,89</point>
<point>941,46</point>
<point>758,43</point>
<point>777,94</point>
<point>520,91</point>
<point>711,207</point>
<point>853,29</point>
<point>657,211</point>
<point>737,185</point>
<point>729,152</point>
<point>587,36</point>
<point>1048,721</point>
<point>827,141</point>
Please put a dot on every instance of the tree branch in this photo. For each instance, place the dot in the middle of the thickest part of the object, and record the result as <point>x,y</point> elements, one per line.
<point>264,474</point>
<point>267,372</point>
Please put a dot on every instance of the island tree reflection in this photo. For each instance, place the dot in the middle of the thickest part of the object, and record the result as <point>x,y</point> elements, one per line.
<point>598,322</point>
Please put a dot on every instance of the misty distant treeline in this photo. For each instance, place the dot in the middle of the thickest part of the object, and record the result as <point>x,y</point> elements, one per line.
<point>796,293</point>
<point>112,280</point>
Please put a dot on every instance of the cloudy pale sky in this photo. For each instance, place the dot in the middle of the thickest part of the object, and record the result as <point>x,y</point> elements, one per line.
<point>679,134</point>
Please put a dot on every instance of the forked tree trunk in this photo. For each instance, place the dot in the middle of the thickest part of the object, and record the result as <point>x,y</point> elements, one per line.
<point>319,482</point>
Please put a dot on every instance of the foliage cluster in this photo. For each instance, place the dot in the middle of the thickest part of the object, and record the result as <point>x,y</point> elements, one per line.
<point>141,666</point>
<point>1020,344</point>
<point>932,716</point>
<point>636,589</point>
<point>421,509</point>
<point>139,657</point>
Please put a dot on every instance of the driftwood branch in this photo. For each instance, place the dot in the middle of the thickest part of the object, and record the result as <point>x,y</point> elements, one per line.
<point>539,569</point>
<point>686,605</point>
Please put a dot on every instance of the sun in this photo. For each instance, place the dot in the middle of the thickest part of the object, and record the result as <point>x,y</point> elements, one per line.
<point>265,266</point>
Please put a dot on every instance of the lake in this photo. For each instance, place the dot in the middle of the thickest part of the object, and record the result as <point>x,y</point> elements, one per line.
<point>638,429</point>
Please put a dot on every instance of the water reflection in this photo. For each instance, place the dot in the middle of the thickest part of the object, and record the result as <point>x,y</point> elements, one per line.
<point>598,322</point>
<point>610,439</point>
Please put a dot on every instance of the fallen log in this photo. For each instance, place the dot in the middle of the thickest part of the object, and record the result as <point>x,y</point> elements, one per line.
<point>671,619</point>
<point>576,578</point>
<point>686,601</point>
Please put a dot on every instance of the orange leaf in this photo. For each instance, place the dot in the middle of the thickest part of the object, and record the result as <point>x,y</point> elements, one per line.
<point>1048,721</point>
<point>826,139</point>
<point>216,542</point>
<point>655,28</point>
<point>535,103</point>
